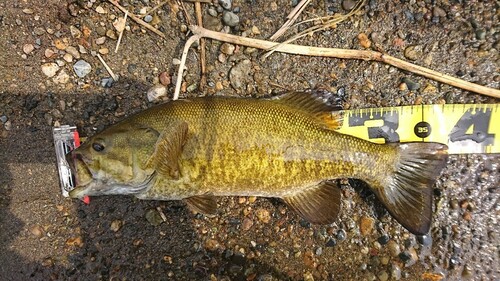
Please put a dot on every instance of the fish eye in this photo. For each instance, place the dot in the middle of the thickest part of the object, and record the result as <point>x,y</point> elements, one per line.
<point>98,146</point>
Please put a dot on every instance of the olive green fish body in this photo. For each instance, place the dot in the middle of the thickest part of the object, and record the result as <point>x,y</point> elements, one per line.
<point>258,147</point>
<point>287,148</point>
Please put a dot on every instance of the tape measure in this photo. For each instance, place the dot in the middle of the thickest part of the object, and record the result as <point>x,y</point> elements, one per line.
<point>465,128</point>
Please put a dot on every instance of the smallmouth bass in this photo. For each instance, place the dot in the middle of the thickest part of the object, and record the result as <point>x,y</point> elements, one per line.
<point>197,149</point>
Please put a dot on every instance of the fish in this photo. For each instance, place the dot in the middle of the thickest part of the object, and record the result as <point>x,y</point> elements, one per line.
<point>287,147</point>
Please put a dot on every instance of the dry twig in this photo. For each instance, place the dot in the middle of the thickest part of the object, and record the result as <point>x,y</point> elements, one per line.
<point>366,55</point>
<point>325,23</point>
<point>108,69</point>
<point>122,29</point>
<point>294,14</point>
<point>138,20</point>
<point>178,82</point>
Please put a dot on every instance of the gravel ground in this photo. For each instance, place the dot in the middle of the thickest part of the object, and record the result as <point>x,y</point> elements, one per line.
<point>51,75</point>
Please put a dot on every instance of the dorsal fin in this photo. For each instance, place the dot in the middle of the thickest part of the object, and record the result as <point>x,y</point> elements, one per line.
<point>317,104</point>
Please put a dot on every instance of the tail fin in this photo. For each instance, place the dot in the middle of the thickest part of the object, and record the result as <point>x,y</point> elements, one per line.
<point>407,193</point>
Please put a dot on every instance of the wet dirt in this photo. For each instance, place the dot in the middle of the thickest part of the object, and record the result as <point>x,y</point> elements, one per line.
<point>44,236</point>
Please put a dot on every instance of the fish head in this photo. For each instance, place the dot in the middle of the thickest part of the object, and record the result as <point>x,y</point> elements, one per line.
<point>114,161</point>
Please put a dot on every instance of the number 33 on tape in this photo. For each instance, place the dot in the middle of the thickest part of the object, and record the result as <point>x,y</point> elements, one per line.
<point>465,128</point>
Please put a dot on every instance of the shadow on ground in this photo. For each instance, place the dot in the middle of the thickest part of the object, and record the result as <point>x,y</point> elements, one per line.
<point>82,243</point>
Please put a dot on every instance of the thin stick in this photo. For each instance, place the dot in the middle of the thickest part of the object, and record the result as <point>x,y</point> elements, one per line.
<point>294,14</point>
<point>138,20</point>
<point>199,20</point>
<point>155,8</point>
<point>327,22</point>
<point>121,32</point>
<point>178,82</point>
<point>188,18</point>
<point>108,69</point>
<point>367,55</point>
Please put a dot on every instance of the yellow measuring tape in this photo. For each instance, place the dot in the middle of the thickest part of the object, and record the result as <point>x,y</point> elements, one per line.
<point>465,128</point>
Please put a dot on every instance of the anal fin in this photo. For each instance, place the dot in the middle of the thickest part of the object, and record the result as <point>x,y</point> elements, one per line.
<point>205,204</point>
<point>319,204</point>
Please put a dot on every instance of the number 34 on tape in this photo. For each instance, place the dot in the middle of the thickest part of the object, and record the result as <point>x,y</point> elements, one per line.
<point>465,128</point>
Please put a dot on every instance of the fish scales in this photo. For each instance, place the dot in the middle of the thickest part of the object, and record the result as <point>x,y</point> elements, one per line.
<point>258,146</point>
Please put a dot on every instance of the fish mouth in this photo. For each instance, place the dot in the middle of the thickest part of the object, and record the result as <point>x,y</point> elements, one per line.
<point>83,177</point>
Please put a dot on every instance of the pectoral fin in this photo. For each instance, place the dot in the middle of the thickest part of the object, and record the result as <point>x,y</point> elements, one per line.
<point>168,149</point>
<point>204,204</point>
<point>319,204</point>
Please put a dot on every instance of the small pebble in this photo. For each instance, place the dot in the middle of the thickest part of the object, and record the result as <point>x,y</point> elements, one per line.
<point>49,53</point>
<point>425,240</point>
<point>153,217</point>
<point>366,225</point>
<point>331,242</point>
<point>3,119</point>
<point>68,57</point>
<point>50,69</point>
<point>226,4</point>
<point>348,4</point>
<point>211,245</point>
<point>319,251</point>
<point>107,82</point>
<point>156,92</point>
<point>246,224</point>
<point>396,272</point>
<point>413,52</point>
<point>111,34</point>
<point>384,239</point>
<point>227,48</point>
<point>100,10</point>
<point>212,12</point>
<point>164,78</point>
<point>62,77</point>
<point>116,225</point>
<point>28,11</point>
<point>60,44</point>
<point>7,125</point>
<point>230,19</point>
<point>263,215</point>
<point>341,235</point>
<point>75,32</point>
<point>82,68</point>
<point>148,18</point>
<point>73,51</point>
<point>393,248</point>
<point>28,48</point>
<point>383,276</point>
<point>37,231</point>
<point>103,51</point>
<point>480,34</point>
<point>100,40</point>
<point>411,84</point>
<point>364,41</point>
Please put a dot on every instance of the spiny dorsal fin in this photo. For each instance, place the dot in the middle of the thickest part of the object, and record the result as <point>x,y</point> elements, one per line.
<point>205,204</point>
<point>408,195</point>
<point>168,149</point>
<point>316,104</point>
<point>319,204</point>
